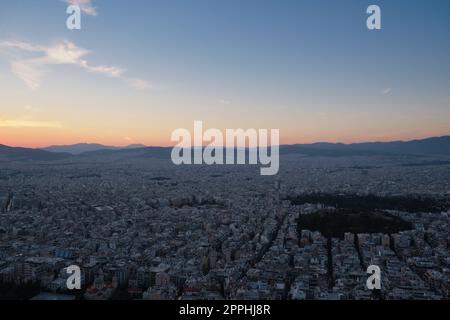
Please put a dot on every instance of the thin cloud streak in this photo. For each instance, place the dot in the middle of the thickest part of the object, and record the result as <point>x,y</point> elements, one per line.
<point>31,70</point>
<point>386,91</point>
<point>29,73</point>
<point>139,84</point>
<point>29,124</point>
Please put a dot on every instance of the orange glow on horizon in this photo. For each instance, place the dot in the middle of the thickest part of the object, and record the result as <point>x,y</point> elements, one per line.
<point>44,137</point>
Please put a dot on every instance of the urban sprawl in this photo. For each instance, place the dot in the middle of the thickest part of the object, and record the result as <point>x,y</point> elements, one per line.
<point>147,229</point>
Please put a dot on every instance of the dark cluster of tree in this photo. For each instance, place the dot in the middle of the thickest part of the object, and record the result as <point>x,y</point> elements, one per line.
<point>372,202</point>
<point>195,202</point>
<point>86,175</point>
<point>427,163</point>
<point>160,179</point>
<point>335,223</point>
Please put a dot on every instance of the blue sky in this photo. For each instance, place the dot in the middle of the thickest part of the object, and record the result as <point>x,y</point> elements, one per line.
<point>310,68</point>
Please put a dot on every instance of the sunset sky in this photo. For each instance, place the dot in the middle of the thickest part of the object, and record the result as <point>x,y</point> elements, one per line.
<point>139,69</point>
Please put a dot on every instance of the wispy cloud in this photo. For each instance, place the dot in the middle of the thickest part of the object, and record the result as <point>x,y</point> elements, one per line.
<point>139,84</point>
<point>31,70</point>
<point>85,6</point>
<point>18,123</point>
<point>28,119</point>
<point>224,102</point>
<point>386,91</point>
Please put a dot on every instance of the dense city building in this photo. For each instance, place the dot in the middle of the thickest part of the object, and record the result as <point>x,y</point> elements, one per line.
<point>146,229</point>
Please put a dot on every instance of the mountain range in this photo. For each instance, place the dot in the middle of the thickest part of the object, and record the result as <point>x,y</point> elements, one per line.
<point>80,148</point>
<point>428,147</point>
<point>27,154</point>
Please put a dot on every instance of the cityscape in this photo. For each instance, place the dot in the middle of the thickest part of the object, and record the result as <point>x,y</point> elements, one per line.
<point>224,154</point>
<point>143,228</point>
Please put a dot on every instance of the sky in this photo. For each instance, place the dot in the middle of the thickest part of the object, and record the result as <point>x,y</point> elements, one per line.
<point>140,69</point>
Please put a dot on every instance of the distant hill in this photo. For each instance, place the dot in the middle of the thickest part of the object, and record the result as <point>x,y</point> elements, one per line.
<point>87,147</point>
<point>26,154</point>
<point>429,146</point>
<point>145,152</point>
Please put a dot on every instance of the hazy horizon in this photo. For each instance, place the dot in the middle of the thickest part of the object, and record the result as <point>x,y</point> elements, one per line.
<point>137,71</point>
<point>171,145</point>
